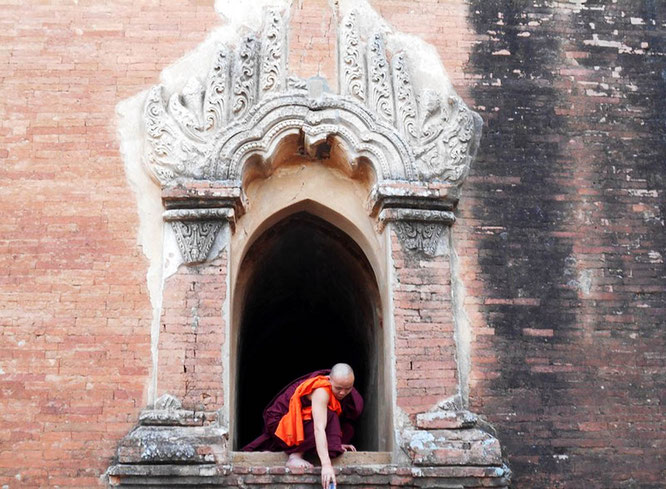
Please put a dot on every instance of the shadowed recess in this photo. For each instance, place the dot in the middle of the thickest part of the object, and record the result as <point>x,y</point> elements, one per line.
<point>310,300</point>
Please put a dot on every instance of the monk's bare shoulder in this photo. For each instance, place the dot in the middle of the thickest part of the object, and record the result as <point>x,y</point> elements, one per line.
<point>320,395</point>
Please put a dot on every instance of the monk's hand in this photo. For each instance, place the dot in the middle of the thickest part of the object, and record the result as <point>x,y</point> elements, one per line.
<point>348,448</point>
<point>327,476</point>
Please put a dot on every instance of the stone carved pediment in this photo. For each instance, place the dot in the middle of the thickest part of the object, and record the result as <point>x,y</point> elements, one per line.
<point>248,102</point>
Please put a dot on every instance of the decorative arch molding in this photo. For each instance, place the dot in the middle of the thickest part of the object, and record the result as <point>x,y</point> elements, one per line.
<point>207,132</point>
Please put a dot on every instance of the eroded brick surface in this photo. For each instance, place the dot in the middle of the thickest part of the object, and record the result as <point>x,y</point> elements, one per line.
<point>561,238</point>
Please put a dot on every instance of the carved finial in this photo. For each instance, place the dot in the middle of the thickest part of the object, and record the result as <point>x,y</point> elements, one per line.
<point>217,91</point>
<point>405,101</point>
<point>380,97</point>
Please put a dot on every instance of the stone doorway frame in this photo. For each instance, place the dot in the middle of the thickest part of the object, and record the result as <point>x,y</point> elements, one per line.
<point>204,144</point>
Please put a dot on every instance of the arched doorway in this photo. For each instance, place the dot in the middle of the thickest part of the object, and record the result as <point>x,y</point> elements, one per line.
<point>309,299</point>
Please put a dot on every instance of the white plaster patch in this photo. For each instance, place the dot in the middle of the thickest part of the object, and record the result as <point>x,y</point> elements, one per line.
<point>655,257</point>
<point>640,192</point>
<point>462,330</point>
<point>172,256</point>
<point>595,41</point>
<point>421,440</point>
<point>585,281</point>
<point>129,120</point>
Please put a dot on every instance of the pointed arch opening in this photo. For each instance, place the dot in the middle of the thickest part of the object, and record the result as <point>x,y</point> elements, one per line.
<point>308,298</point>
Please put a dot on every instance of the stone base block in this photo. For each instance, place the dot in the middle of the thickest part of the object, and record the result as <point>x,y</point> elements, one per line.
<point>453,447</point>
<point>348,477</point>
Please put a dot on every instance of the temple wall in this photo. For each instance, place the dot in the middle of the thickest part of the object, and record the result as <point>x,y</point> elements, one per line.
<point>558,292</point>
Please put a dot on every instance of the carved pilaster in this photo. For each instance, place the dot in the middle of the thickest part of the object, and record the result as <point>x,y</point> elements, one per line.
<point>195,238</point>
<point>420,236</point>
<point>419,214</point>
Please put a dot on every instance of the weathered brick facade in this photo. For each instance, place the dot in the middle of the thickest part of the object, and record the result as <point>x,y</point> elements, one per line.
<point>559,238</point>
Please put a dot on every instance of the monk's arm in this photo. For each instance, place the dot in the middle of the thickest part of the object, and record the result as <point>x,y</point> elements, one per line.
<point>319,418</point>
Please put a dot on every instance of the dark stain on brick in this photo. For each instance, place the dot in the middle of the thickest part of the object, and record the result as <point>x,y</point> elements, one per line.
<point>579,118</point>
<point>524,264</point>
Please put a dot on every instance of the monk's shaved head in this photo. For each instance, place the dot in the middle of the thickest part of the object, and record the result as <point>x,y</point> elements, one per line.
<point>342,380</point>
<point>342,371</point>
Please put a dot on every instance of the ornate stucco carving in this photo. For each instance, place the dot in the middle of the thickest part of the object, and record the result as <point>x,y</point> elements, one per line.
<point>352,65</point>
<point>195,238</point>
<point>248,103</point>
<point>379,81</point>
<point>420,236</point>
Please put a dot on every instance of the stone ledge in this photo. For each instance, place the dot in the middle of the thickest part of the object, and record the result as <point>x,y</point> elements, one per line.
<point>225,476</point>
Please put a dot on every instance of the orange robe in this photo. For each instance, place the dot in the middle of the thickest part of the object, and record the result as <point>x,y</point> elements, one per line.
<point>290,428</point>
<point>339,427</point>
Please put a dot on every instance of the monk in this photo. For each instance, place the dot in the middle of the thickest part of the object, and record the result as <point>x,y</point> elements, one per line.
<point>314,413</point>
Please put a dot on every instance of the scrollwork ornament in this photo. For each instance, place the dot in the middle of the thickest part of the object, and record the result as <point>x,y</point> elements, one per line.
<point>447,130</point>
<point>405,101</point>
<point>186,108</point>
<point>162,137</point>
<point>379,86</point>
<point>272,56</point>
<point>352,73</point>
<point>245,84</point>
<point>217,86</point>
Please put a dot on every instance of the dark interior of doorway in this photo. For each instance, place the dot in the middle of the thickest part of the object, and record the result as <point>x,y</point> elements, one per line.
<point>309,300</point>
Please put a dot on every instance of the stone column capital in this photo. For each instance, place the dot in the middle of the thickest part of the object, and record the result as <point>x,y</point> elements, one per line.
<point>419,213</point>
<point>197,210</point>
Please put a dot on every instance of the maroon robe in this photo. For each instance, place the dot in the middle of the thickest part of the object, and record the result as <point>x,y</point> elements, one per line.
<point>339,429</point>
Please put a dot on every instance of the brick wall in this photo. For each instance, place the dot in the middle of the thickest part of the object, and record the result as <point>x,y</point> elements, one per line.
<point>560,230</point>
<point>192,334</point>
<point>425,350</point>
<point>74,310</point>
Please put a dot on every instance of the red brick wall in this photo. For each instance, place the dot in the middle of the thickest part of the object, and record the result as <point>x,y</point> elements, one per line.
<point>192,332</point>
<point>560,230</point>
<point>425,350</point>
<point>74,310</point>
